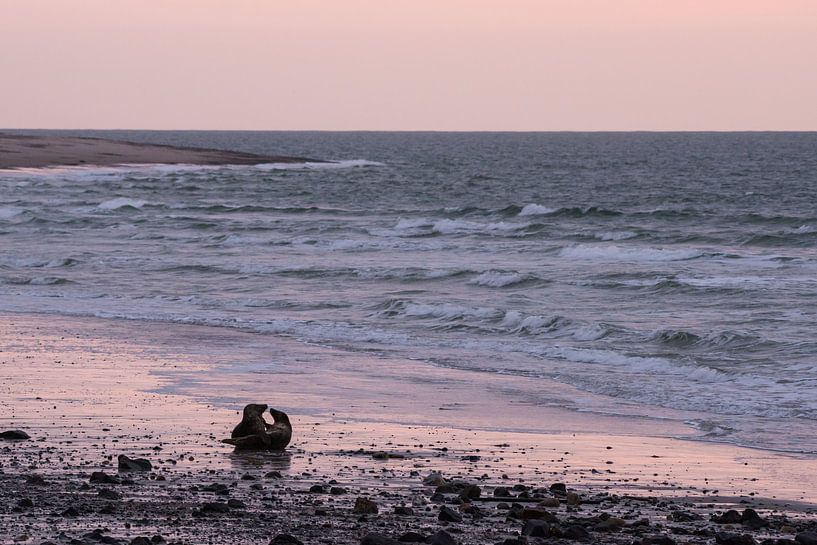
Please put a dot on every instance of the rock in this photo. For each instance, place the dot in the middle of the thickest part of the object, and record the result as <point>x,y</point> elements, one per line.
<point>337,491</point>
<point>449,515</point>
<point>470,492</point>
<point>215,507</point>
<point>218,488</point>
<point>273,475</point>
<point>285,539</point>
<point>576,533</point>
<point>550,502</point>
<point>751,519</point>
<point>14,435</point>
<point>364,506</point>
<point>412,537</point>
<point>539,528</point>
<point>529,513</point>
<point>70,512</point>
<point>729,517</point>
<point>134,464</point>
<point>806,538</point>
<point>108,494</point>
<point>609,524</point>
<point>434,479</point>
<point>140,541</point>
<point>25,502</point>
<point>656,540</point>
<point>403,511</point>
<point>233,503</point>
<point>573,498</point>
<point>723,538</point>
<point>441,538</point>
<point>100,477</point>
<point>684,516</point>
<point>35,480</point>
<point>559,489</point>
<point>316,489</point>
<point>378,539</point>
<point>157,539</point>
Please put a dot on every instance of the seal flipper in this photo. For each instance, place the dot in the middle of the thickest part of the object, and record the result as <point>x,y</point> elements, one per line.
<point>260,441</point>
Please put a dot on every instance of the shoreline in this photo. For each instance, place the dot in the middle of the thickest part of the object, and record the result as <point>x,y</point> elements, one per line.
<point>86,391</point>
<point>19,151</point>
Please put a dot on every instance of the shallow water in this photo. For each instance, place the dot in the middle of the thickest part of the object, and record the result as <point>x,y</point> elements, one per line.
<point>669,274</point>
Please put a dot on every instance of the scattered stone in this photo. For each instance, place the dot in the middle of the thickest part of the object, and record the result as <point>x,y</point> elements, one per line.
<point>470,492</point>
<point>140,541</point>
<point>729,517</point>
<point>576,533</point>
<point>14,435</point>
<point>434,479</point>
<point>215,507</point>
<point>134,464</point>
<point>751,519</point>
<point>501,492</point>
<point>723,538</point>
<point>656,540</point>
<point>441,538</point>
<point>100,477</point>
<point>532,513</point>
<point>316,489</point>
<point>233,503</point>
<point>403,511</point>
<point>412,537</point>
<point>572,498</point>
<point>25,502</point>
<point>70,512</point>
<point>550,502</point>
<point>449,515</point>
<point>36,480</point>
<point>365,506</point>
<point>378,539</point>
<point>559,489</point>
<point>337,491</point>
<point>539,528</point>
<point>108,494</point>
<point>806,538</point>
<point>285,539</point>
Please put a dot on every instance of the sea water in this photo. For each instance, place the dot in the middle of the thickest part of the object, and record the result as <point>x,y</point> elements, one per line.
<point>673,274</point>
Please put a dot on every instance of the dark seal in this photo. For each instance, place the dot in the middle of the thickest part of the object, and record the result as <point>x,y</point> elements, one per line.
<point>255,433</point>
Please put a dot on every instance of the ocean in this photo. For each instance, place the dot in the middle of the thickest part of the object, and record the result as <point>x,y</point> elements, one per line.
<point>660,275</point>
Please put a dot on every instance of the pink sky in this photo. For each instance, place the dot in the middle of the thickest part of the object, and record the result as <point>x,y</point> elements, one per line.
<point>409,65</point>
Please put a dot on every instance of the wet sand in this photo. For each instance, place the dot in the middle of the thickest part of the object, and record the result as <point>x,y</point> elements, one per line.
<point>27,151</point>
<point>88,390</point>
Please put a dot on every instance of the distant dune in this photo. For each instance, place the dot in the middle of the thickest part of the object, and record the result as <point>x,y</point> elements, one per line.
<point>25,151</point>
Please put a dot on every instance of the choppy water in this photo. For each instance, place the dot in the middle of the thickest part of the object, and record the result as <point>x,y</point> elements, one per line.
<point>659,273</point>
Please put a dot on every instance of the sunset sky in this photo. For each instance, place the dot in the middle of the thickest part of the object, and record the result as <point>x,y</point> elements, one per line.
<point>409,65</point>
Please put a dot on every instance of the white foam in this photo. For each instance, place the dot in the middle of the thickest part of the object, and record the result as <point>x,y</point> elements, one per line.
<point>615,235</point>
<point>802,230</point>
<point>621,253</point>
<point>498,279</point>
<point>121,202</point>
<point>330,165</point>
<point>8,212</point>
<point>534,209</point>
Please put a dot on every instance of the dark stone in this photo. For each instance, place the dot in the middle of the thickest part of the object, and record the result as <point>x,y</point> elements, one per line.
<point>730,517</point>
<point>576,533</point>
<point>157,539</point>
<point>683,516</point>
<point>724,538</point>
<point>529,513</point>
<point>100,477</point>
<point>378,539</point>
<point>441,538</point>
<point>14,435</point>
<point>134,464</point>
<point>806,538</point>
<point>70,512</point>
<point>470,492</point>
<point>140,541</point>
<point>364,506</point>
<point>404,511</point>
<point>412,537</point>
<point>656,540</point>
<point>218,488</point>
<point>449,515</point>
<point>215,507</point>
<point>108,494</point>
<point>559,489</point>
<point>751,519</point>
<point>316,489</point>
<point>233,503</point>
<point>538,528</point>
<point>25,502</point>
<point>285,539</point>
<point>501,492</point>
<point>337,491</point>
<point>273,475</point>
<point>35,480</point>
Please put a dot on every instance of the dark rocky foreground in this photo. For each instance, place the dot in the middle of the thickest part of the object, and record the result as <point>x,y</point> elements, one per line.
<point>103,493</point>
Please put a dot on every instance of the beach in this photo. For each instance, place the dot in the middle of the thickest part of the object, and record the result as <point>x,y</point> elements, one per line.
<point>475,339</point>
<point>28,151</point>
<point>89,390</point>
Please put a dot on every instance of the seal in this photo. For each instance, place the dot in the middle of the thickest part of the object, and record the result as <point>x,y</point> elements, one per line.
<point>280,432</point>
<point>254,433</point>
